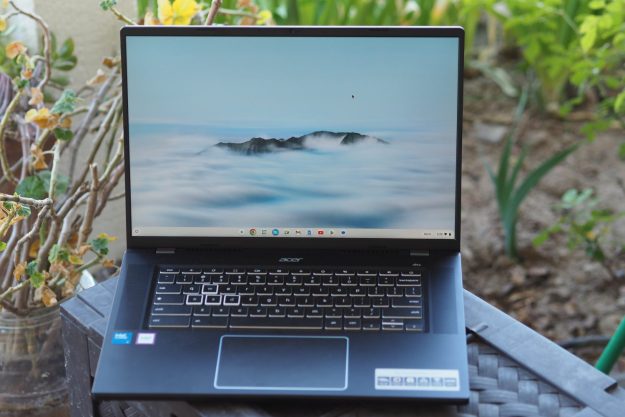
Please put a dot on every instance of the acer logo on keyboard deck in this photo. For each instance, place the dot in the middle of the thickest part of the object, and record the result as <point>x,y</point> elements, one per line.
<point>290,259</point>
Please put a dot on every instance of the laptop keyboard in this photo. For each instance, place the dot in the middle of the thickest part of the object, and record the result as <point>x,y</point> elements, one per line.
<point>288,299</point>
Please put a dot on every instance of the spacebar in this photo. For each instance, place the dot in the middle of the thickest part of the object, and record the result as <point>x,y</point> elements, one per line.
<point>275,323</point>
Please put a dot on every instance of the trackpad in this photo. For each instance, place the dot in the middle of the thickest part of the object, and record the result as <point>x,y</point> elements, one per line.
<point>282,363</point>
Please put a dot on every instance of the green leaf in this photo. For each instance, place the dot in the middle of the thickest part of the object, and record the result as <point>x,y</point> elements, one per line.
<point>62,81</point>
<point>32,187</point>
<point>32,267</point>
<point>619,102</point>
<point>533,178</point>
<point>63,134</point>
<point>58,254</point>
<point>75,260</point>
<point>66,103</point>
<point>142,7</point>
<point>67,49</point>
<point>107,4</point>
<point>23,211</point>
<point>100,245</point>
<point>62,182</point>
<point>36,279</point>
<point>621,151</point>
<point>3,246</point>
<point>65,64</point>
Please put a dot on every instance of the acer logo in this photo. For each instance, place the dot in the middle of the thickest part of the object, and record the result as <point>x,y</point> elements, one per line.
<point>290,259</point>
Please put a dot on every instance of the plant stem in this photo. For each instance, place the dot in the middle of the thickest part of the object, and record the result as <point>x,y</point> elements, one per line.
<point>122,17</point>
<point>13,289</point>
<point>212,12</point>
<point>6,168</point>
<point>25,200</point>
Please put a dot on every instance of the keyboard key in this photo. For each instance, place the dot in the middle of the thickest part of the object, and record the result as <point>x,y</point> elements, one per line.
<point>286,301</point>
<point>213,271</point>
<point>389,273</point>
<point>305,302</point>
<point>376,292</point>
<point>220,311</point>
<point>171,310</point>
<point>394,292</point>
<point>282,290</point>
<point>300,271</point>
<point>379,302</point>
<point>344,272</point>
<point>408,281</point>
<point>320,291</point>
<point>401,313</point>
<point>414,326</point>
<point>362,302</point>
<point>406,302</point>
<point>386,281</point>
<point>276,312</point>
<point>247,290</point>
<point>265,290</point>
<point>352,324</point>
<point>212,300</point>
<point>323,302</point>
<point>301,291</point>
<point>169,270</point>
<point>411,273</point>
<point>191,289</point>
<point>202,279</point>
<point>210,322</point>
<point>367,273</point>
<point>184,279</point>
<point>352,313</point>
<point>169,321</point>
<point>234,271</point>
<point>256,271</point>
<point>257,279</point>
<point>312,280</point>
<point>275,280</point>
<point>268,301</point>
<point>249,300</point>
<point>357,292</point>
<point>228,289</point>
<point>201,311</point>
<point>191,270</point>
<point>238,312</point>
<point>220,279</point>
<point>371,324</point>
<point>343,302</point>
<point>194,299</point>
<point>258,312</point>
<point>168,289</point>
<point>232,300</point>
<point>276,323</point>
<point>391,324</point>
<point>314,312</point>
<point>239,279</point>
<point>295,312</point>
<point>330,281</point>
<point>371,313</point>
<point>412,291</point>
<point>166,278</point>
<point>278,271</point>
<point>322,272</point>
<point>338,291</point>
<point>211,289</point>
<point>333,324</point>
<point>368,281</point>
<point>294,280</point>
<point>169,299</point>
<point>333,313</point>
<point>349,281</point>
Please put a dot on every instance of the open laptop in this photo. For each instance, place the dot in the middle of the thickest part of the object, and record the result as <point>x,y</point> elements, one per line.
<point>293,215</point>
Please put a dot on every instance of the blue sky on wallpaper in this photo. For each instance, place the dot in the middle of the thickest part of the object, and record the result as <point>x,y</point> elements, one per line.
<point>187,94</point>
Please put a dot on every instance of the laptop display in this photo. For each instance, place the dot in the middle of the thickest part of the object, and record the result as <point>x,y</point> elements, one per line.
<point>315,137</point>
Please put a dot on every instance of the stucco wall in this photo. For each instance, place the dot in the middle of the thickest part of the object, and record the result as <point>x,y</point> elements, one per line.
<point>96,34</point>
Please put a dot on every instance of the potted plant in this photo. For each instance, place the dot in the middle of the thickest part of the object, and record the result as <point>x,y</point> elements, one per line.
<point>49,198</point>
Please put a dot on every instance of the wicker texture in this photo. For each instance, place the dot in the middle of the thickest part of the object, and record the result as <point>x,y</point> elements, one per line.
<point>501,387</point>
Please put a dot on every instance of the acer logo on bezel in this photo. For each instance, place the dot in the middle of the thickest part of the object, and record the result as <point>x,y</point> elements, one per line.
<point>290,259</point>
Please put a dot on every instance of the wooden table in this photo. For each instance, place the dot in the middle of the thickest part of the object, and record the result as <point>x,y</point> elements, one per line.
<point>513,371</point>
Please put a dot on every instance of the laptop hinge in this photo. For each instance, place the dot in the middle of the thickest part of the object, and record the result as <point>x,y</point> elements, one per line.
<point>166,251</point>
<point>419,253</point>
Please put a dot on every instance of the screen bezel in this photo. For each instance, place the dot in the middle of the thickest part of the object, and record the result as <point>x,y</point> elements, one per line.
<point>293,242</point>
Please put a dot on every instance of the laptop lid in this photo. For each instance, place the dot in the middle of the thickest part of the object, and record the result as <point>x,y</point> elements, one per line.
<point>298,137</point>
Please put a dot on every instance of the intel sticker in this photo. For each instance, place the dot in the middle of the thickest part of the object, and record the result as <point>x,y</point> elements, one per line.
<point>417,379</point>
<point>122,338</point>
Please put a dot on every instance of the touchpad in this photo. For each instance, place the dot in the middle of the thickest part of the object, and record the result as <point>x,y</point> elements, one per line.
<point>282,363</point>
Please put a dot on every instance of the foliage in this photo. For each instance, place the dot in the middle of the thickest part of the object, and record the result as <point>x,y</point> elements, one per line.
<point>510,195</point>
<point>585,226</point>
<point>46,217</point>
<point>577,43</point>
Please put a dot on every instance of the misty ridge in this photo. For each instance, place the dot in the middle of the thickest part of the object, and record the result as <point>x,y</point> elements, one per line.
<point>309,141</point>
<point>331,179</point>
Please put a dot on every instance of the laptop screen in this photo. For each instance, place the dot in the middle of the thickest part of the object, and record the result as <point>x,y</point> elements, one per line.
<point>298,137</point>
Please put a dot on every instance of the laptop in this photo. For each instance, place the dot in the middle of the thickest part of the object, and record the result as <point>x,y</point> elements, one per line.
<point>292,215</point>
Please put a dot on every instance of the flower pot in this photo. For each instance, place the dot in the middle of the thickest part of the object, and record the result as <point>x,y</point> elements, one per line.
<point>32,371</point>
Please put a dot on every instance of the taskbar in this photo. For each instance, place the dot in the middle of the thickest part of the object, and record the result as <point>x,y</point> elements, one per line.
<point>293,232</point>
